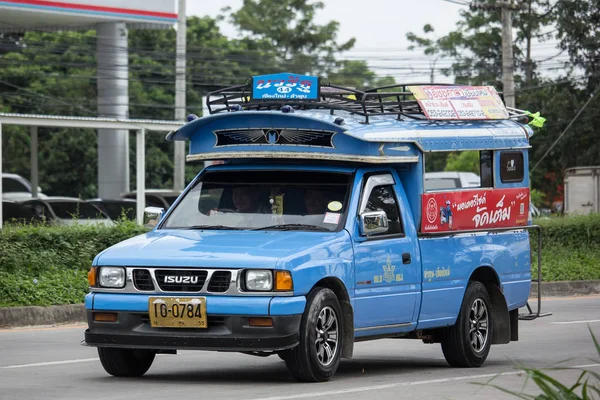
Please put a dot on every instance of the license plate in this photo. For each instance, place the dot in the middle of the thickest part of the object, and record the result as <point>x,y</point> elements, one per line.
<point>177,312</point>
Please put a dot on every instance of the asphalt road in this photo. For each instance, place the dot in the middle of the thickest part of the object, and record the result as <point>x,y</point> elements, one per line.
<point>49,363</point>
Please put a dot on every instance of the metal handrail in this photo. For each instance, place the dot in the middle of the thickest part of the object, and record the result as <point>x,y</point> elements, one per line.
<point>530,315</point>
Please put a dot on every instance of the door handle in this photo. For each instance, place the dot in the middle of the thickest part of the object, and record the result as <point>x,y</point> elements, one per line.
<point>405,258</point>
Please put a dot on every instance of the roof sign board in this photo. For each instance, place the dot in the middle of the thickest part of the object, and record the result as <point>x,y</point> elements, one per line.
<point>460,102</point>
<point>285,86</point>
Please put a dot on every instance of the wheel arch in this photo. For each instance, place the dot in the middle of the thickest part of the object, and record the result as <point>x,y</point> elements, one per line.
<point>339,289</point>
<point>501,321</point>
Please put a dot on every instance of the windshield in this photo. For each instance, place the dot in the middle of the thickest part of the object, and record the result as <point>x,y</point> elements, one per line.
<point>75,209</point>
<point>278,200</point>
<point>115,210</point>
<point>442,183</point>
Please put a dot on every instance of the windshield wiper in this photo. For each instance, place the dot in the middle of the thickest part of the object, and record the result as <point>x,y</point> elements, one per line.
<point>292,227</point>
<point>213,227</point>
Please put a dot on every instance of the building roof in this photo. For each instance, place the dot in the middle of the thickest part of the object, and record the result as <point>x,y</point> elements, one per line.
<point>23,15</point>
<point>61,121</point>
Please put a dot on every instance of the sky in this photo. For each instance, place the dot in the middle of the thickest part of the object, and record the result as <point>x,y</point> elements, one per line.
<point>384,29</point>
<point>380,28</point>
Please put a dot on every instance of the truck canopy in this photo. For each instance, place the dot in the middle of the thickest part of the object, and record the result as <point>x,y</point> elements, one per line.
<point>381,125</point>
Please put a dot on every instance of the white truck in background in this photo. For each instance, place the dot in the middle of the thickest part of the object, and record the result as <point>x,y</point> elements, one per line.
<point>582,190</point>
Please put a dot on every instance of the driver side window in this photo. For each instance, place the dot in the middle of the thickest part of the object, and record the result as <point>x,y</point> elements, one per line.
<point>382,198</point>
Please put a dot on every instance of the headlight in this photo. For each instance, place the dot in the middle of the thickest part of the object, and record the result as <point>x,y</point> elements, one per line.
<point>112,277</point>
<point>259,280</point>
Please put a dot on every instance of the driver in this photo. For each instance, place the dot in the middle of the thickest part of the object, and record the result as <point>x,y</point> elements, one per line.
<point>246,199</point>
<point>315,201</point>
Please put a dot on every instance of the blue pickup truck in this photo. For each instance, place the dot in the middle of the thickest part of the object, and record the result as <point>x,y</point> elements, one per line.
<point>316,231</point>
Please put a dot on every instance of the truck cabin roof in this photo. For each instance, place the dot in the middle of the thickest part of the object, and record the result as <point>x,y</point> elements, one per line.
<point>289,116</point>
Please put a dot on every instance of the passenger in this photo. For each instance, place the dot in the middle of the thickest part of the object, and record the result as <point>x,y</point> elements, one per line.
<point>246,199</point>
<point>315,202</point>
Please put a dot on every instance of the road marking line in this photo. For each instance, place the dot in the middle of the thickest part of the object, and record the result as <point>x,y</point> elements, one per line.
<point>395,385</point>
<point>576,322</point>
<point>43,364</point>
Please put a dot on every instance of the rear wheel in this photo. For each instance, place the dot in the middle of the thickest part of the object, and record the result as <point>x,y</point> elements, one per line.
<point>317,356</point>
<point>468,342</point>
<point>125,362</point>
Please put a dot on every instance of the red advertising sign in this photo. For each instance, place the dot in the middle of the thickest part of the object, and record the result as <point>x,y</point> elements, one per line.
<point>474,209</point>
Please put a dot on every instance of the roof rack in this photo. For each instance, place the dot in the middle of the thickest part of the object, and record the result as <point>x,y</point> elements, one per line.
<point>395,100</point>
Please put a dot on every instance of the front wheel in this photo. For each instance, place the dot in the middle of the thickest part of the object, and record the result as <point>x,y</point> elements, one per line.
<point>467,343</point>
<point>317,356</point>
<point>125,362</point>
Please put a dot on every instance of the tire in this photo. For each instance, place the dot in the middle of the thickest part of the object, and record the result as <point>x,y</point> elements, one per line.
<point>467,343</point>
<point>125,362</point>
<point>310,361</point>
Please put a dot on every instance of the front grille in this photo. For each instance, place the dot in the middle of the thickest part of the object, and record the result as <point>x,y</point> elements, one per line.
<point>219,282</point>
<point>142,280</point>
<point>180,280</point>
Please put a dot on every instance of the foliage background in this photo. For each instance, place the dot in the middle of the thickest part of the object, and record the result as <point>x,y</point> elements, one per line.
<point>44,265</point>
<point>55,73</point>
<point>47,265</point>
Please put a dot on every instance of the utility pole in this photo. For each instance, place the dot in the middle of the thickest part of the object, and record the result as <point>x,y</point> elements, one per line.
<point>508,62</point>
<point>180,66</point>
<point>529,64</point>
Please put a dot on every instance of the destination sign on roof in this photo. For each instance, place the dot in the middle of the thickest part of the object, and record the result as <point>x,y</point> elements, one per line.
<point>285,86</point>
<point>460,102</point>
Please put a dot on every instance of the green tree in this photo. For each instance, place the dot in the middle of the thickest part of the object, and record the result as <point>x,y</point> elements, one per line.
<point>429,44</point>
<point>475,50</point>
<point>302,46</point>
<point>356,74</point>
<point>577,28</point>
<point>465,161</point>
<point>475,47</point>
<point>55,73</point>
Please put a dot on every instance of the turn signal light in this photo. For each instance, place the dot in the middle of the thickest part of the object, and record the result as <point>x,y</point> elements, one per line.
<point>283,281</point>
<point>105,317</point>
<point>256,321</point>
<point>92,277</point>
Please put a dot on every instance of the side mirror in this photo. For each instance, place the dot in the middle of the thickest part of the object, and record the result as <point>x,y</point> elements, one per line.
<point>373,222</point>
<point>152,216</point>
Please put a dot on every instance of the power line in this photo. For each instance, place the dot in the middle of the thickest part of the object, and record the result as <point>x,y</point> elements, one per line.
<point>47,97</point>
<point>567,128</point>
<point>460,3</point>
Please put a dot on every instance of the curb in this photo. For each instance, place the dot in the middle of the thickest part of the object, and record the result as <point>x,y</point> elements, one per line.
<point>12,317</point>
<point>566,288</point>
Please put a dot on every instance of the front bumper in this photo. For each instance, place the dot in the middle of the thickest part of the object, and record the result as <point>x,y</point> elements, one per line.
<point>224,333</point>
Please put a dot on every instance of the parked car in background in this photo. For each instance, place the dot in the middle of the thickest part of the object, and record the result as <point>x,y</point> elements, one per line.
<point>116,208</point>
<point>67,211</point>
<point>13,212</point>
<point>450,180</point>
<point>16,188</point>
<point>162,198</point>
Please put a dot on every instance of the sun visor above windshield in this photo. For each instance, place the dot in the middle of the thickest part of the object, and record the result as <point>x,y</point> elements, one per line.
<point>283,135</point>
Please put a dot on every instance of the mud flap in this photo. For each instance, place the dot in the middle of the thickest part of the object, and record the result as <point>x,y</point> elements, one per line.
<point>348,344</point>
<point>514,326</point>
<point>500,316</point>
